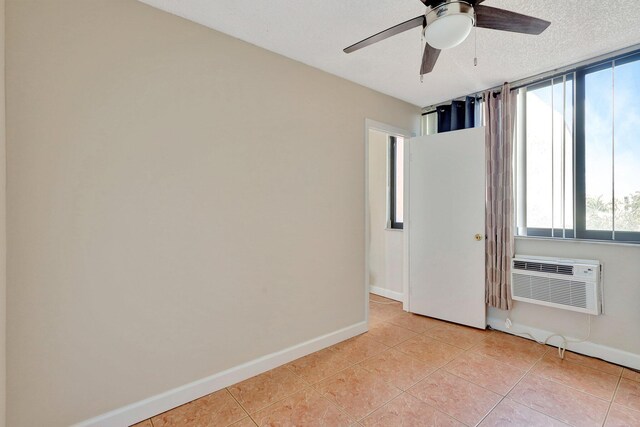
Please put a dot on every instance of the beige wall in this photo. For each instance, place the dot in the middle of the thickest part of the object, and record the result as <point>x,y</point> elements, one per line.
<point>385,246</point>
<point>618,326</point>
<point>3,222</point>
<point>180,202</point>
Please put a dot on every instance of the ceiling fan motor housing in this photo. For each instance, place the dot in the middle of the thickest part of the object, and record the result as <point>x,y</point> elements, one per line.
<point>449,24</point>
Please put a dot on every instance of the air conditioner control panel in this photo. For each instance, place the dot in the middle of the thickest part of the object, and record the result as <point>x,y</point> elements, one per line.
<point>586,272</point>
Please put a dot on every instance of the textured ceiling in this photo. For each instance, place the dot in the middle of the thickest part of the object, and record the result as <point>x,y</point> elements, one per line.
<point>315,32</point>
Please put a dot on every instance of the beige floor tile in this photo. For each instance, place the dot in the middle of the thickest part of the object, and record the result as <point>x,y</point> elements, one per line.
<point>215,410</point>
<point>389,334</point>
<point>628,394</point>
<point>357,391</point>
<point>620,416</point>
<point>359,348</point>
<point>407,411</point>
<point>374,297</point>
<point>373,320</point>
<point>517,352</point>
<point>580,377</point>
<point>631,374</point>
<point>415,322</point>
<point>304,408</point>
<point>434,352</point>
<point>319,365</point>
<point>485,372</point>
<point>510,413</point>
<point>454,396</point>
<point>560,402</point>
<point>381,302</point>
<point>589,362</point>
<point>384,312</point>
<point>397,368</point>
<point>264,389</point>
<point>246,422</point>
<point>145,423</point>
<point>456,335</point>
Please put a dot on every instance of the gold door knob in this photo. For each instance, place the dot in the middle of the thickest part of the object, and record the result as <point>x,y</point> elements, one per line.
<point>478,237</point>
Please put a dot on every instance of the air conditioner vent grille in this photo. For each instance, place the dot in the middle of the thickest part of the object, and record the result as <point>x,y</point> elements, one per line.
<point>543,267</point>
<point>557,291</point>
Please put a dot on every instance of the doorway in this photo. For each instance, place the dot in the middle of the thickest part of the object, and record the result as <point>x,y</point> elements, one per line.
<point>384,210</point>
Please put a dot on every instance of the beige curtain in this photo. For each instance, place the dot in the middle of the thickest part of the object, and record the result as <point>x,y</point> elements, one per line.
<point>499,113</point>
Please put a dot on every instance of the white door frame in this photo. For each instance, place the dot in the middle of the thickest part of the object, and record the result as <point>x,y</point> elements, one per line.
<point>391,130</point>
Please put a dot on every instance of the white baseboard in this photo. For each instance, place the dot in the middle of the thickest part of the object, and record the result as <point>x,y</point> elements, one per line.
<point>397,296</point>
<point>610,354</point>
<point>147,408</point>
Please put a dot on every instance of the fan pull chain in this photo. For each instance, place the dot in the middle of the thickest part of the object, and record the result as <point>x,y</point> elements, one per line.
<point>475,38</point>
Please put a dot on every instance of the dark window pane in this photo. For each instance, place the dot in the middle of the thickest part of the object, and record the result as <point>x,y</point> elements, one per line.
<point>399,180</point>
<point>396,181</point>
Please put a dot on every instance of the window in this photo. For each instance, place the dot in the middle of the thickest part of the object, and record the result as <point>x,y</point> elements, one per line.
<point>545,158</point>
<point>396,181</point>
<point>429,123</point>
<point>578,154</point>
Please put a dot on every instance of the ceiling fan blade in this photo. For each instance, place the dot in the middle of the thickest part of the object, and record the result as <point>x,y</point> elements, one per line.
<point>504,20</point>
<point>397,29</point>
<point>429,58</point>
<point>432,3</point>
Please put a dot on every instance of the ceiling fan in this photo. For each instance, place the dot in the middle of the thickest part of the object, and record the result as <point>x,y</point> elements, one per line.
<point>447,23</point>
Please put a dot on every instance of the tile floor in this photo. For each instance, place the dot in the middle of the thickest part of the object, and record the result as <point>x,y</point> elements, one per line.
<point>411,370</point>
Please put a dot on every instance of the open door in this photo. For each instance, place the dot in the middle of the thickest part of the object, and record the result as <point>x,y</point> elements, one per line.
<point>445,226</point>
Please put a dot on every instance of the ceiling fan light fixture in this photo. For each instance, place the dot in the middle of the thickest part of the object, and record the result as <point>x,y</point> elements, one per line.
<point>449,24</point>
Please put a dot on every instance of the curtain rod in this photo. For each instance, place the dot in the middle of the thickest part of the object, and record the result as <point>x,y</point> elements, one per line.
<point>546,75</point>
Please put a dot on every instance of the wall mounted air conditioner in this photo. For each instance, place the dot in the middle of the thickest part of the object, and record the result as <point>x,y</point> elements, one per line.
<point>570,284</point>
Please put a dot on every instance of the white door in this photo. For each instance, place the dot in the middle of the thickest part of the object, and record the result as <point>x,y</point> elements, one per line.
<point>446,226</point>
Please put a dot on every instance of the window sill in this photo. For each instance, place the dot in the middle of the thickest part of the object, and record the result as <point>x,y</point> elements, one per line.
<point>580,241</point>
<point>394,229</point>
